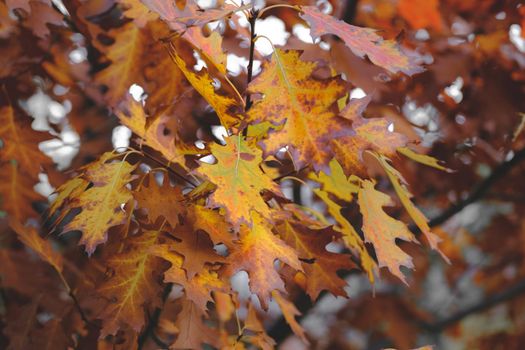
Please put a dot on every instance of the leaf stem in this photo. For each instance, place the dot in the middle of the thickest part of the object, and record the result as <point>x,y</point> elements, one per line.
<point>293,7</point>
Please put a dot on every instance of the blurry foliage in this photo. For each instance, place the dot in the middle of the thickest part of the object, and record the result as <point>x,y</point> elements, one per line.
<point>164,183</point>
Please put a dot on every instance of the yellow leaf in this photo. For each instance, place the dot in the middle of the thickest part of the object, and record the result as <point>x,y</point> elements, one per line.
<point>382,230</point>
<point>101,204</point>
<point>239,180</point>
<point>422,158</point>
<point>337,183</point>
<point>349,234</point>
<point>224,99</point>
<point>301,108</point>
<point>404,195</point>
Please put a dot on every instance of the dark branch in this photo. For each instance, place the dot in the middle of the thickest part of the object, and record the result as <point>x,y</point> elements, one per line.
<point>152,324</point>
<point>485,304</point>
<point>480,190</point>
<point>168,168</point>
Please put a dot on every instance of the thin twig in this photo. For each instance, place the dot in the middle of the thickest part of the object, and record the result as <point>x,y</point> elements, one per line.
<point>168,168</point>
<point>152,324</point>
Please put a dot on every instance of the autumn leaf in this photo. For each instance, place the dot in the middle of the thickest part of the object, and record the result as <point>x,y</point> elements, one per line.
<point>136,10</point>
<point>197,249</point>
<point>320,266</point>
<point>199,287</point>
<point>155,133</point>
<point>362,41</point>
<point>193,332</point>
<point>370,134</point>
<point>421,13</point>
<point>161,201</point>
<point>301,108</point>
<point>239,180</point>
<point>213,223</point>
<point>213,85</point>
<point>125,55</point>
<point>349,234</point>
<point>101,203</point>
<point>30,237</point>
<point>16,190</point>
<point>382,230</point>
<point>256,253</point>
<point>404,195</point>
<point>20,142</point>
<point>422,158</point>
<point>133,286</point>
<point>189,14</point>
<point>290,312</point>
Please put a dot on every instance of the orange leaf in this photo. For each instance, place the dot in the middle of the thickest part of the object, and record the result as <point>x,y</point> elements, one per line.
<point>301,108</point>
<point>30,237</point>
<point>164,201</point>
<point>256,254</point>
<point>320,266</point>
<point>289,312</point>
<point>421,13</point>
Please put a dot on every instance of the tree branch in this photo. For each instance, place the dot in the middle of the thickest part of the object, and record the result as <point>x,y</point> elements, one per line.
<point>169,169</point>
<point>252,19</point>
<point>480,190</point>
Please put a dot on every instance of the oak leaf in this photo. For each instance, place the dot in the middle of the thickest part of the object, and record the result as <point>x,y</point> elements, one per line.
<point>256,253</point>
<point>198,288</point>
<point>362,41</point>
<point>399,184</point>
<point>320,266</point>
<point>382,230</point>
<point>239,180</point>
<point>370,134</point>
<point>16,190</point>
<point>133,286</point>
<point>301,108</point>
<point>193,332</point>
<point>210,82</point>
<point>290,312</point>
<point>30,237</point>
<point>161,201</point>
<point>154,132</point>
<point>125,55</point>
<point>101,203</point>
<point>20,142</point>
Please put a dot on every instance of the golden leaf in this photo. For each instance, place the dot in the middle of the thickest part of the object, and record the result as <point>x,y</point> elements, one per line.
<point>101,204</point>
<point>382,230</point>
